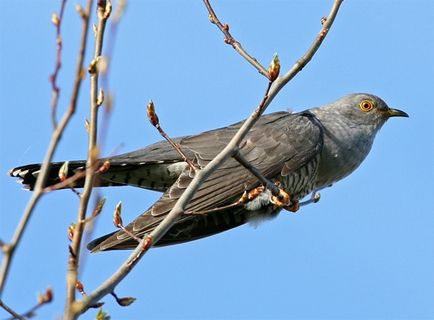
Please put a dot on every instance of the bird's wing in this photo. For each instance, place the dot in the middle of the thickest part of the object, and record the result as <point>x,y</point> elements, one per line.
<point>150,167</point>
<point>277,145</point>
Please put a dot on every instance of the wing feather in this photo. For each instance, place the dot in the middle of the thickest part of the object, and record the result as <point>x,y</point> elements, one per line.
<point>278,144</point>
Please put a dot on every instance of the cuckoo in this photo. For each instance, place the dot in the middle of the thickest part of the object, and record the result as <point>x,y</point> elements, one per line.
<point>300,152</point>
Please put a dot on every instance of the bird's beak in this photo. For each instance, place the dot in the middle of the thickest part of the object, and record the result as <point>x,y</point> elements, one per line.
<point>395,113</point>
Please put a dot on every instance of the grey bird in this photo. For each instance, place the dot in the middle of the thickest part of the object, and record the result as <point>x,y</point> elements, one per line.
<point>301,152</point>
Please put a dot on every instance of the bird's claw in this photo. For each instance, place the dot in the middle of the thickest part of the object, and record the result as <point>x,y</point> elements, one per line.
<point>283,200</point>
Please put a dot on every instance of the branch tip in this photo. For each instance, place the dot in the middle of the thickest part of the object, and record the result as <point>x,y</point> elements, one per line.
<point>152,116</point>
<point>45,297</point>
<point>100,99</point>
<point>124,301</point>
<point>274,68</point>
<point>99,207</point>
<point>117,219</point>
<point>63,171</point>
<point>55,19</point>
<point>71,229</point>
<point>81,12</point>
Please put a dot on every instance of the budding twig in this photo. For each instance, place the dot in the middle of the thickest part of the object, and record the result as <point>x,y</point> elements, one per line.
<point>124,301</point>
<point>103,12</point>
<point>117,221</point>
<point>229,39</point>
<point>42,299</point>
<point>57,22</point>
<point>153,119</point>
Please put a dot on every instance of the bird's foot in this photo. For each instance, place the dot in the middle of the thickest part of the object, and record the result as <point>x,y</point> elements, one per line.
<point>284,201</point>
<point>293,207</point>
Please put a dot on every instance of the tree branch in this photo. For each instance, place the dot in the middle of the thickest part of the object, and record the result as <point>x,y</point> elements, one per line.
<point>11,311</point>
<point>229,39</point>
<point>9,249</point>
<point>56,19</point>
<point>103,13</point>
<point>301,63</point>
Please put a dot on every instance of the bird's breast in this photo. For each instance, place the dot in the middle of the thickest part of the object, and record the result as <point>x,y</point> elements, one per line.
<point>343,151</point>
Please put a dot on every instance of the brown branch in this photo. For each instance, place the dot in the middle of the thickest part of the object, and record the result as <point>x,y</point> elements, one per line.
<point>327,23</point>
<point>153,119</point>
<point>9,249</point>
<point>103,13</point>
<point>108,56</point>
<point>57,21</point>
<point>229,39</point>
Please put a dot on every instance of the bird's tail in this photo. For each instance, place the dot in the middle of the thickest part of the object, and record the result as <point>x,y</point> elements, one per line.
<point>28,174</point>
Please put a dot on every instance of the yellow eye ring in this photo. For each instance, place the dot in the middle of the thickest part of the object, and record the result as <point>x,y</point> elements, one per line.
<point>366,105</point>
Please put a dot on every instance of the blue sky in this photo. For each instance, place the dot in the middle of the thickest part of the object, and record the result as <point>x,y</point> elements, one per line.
<point>365,251</point>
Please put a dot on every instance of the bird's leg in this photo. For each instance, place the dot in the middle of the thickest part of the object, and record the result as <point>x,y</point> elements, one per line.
<point>314,198</point>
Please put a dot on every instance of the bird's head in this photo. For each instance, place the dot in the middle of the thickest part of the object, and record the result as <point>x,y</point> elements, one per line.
<point>366,109</point>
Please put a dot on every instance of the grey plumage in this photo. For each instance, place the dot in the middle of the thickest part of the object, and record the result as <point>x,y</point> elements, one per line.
<point>303,151</point>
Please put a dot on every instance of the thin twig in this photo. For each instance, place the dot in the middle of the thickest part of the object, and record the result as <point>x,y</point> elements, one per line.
<point>153,119</point>
<point>108,56</point>
<point>201,175</point>
<point>68,182</point>
<point>55,138</point>
<point>11,311</point>
<point>229,39</point>
<point>43,299</point>
<point>301,63</point>
<point>103,12</point>
<point>57,21</point>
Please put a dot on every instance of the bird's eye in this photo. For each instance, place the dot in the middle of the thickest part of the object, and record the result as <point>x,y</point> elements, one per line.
<point>366,105</point>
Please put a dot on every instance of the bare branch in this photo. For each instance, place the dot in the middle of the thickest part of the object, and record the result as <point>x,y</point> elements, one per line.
<point>11,311</point>
<point>103,13</point>
<point>43,299</point>
<point>153,119</point>
<point>57,21</point>
<point>55,138</point>
<point>301,63</point>
<point>229,39</point>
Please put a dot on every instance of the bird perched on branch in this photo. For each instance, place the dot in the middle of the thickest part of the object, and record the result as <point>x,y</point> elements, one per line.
<point>298,152</point>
